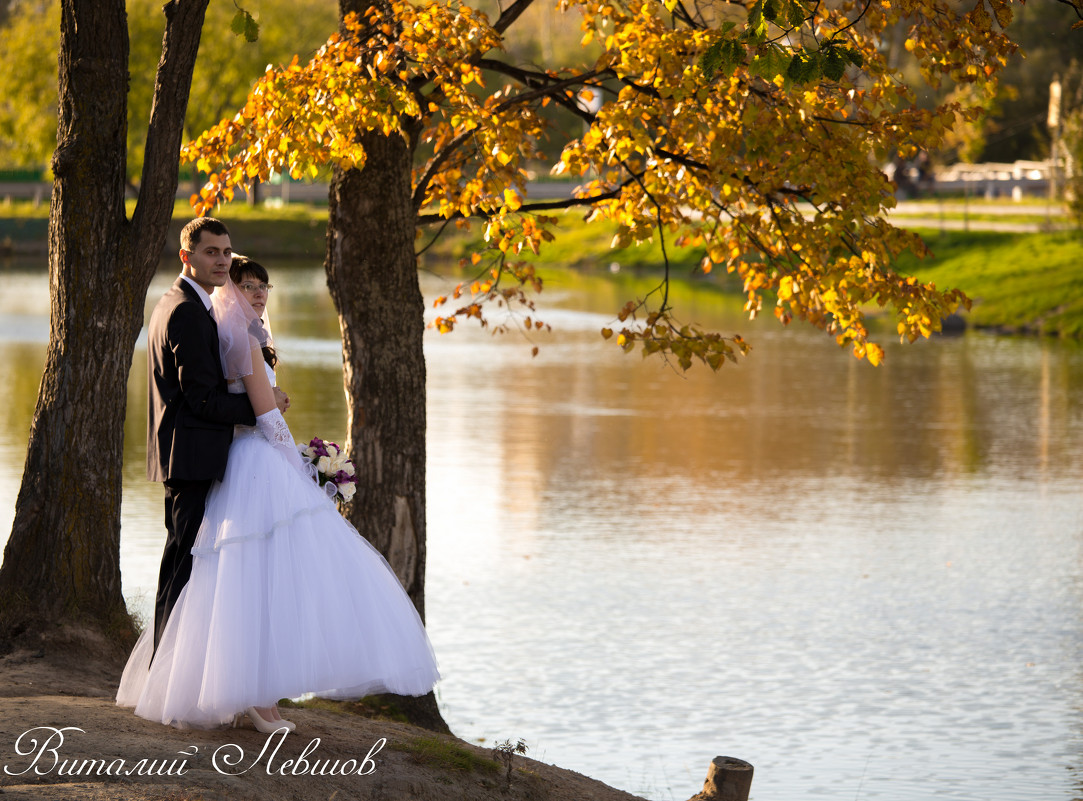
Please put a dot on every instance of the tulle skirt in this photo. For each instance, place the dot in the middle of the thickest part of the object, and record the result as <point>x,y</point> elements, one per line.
<point>285,599</point>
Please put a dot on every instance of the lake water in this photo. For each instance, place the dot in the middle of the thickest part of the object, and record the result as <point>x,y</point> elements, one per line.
<point>866,582</point>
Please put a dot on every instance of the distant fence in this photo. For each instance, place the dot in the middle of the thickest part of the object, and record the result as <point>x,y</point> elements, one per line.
<point>291,192</point>
<point>1016,181</point>
<point>284,192</point>
<point>38,191</point>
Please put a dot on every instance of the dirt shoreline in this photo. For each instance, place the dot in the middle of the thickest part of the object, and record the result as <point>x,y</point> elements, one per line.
<point>120,757</point>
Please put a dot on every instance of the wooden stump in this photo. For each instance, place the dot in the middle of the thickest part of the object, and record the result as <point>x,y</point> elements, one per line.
<point>728,779</point>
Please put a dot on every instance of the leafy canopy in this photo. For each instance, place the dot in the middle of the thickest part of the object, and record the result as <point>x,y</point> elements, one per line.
<point>750,131</point>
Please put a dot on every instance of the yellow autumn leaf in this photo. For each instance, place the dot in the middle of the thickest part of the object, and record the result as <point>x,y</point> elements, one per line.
<point>696,163</point>
<point>785,287</point>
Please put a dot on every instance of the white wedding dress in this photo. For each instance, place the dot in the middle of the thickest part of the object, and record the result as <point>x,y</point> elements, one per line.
<point>285,599</point>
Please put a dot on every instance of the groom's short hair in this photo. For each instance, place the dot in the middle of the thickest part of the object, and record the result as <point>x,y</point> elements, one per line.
<point>192,232</point>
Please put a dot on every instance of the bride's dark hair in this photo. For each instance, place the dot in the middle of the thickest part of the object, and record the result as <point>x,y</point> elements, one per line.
<point>242,267</point>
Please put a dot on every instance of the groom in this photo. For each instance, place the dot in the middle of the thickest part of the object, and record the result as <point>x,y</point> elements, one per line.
<point>190,425</point>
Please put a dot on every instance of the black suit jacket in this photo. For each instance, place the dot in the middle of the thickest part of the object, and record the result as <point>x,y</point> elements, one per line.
<point>192,414</point>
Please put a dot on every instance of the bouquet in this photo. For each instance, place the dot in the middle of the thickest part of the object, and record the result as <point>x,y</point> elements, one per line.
<point>331,469</point>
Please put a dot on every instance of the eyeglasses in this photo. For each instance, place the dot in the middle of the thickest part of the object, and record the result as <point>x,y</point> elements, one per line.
<point>248,286</point>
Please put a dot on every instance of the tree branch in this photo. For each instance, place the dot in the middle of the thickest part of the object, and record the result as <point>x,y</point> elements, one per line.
<point>663,308</point>
<point>549,205</point>
<point>1076,5</point>
<point>434,238</point>
<point>858,18</point>
<point>555,89</point>
<point>543,84</point>
<point>435,163</point>
<point>681,13</point>
<point>510,14</point>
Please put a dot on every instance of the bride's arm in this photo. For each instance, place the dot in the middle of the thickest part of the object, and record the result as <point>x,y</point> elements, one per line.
<point>268,414</point>
<point>260,393</point>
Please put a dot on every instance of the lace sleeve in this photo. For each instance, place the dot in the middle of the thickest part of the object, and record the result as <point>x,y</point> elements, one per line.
<point>273,426</point>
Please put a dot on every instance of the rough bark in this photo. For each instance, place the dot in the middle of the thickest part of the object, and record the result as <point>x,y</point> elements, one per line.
<point>62,561</point>
<point>372,275</point>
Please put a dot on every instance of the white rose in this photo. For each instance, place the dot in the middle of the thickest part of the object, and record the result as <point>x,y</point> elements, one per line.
<point>347,488</point>
<point>338,463</point>
<point>309,452</point>
<point>332,451</point>
<point>349,468</point>
<point>324,464</point>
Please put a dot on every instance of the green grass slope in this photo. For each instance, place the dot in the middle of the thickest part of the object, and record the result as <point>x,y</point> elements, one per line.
<point>1018,282</point>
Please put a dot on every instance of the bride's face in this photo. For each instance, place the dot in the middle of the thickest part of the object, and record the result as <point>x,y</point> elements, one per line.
<point>255,292</point>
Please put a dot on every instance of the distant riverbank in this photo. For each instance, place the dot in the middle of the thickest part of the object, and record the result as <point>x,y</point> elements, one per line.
<point>1019,282</point>
<point>297,231</point>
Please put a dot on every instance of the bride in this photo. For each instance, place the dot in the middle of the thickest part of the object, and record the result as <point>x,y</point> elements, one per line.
<point>285,597</point>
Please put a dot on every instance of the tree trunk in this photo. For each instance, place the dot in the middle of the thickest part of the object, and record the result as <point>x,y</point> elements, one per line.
<point>372,275</point>
<point>66,518</point>
<point>62,561</point>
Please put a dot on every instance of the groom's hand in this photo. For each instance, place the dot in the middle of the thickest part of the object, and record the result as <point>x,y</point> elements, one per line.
<point>282,400</point>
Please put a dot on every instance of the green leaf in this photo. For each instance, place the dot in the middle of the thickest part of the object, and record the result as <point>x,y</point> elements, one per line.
<point>805,67</point>
<point>834,63</point>
<point>711,59</point>
<point>757,26</point>
<point>770,10</point>
<point>734,54</point>
<point>771,62</point>
<point>237,25</point>
<point>244,24</point>
<point>724,54</point>
<point>795,14</point>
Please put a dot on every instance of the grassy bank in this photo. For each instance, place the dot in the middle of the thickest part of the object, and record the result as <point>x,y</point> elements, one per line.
<point>1029,283</point>
<point>296,231</point>
<point>1024,283</point>
<point>1019,282</point>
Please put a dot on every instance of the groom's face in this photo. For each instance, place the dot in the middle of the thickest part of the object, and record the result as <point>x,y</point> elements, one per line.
<point>208,262</point>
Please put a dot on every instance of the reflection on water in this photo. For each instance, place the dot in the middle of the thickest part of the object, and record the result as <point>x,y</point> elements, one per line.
<point>866,582</point>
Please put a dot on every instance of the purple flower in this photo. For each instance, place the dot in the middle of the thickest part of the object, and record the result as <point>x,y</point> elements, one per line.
<point>344,481</point>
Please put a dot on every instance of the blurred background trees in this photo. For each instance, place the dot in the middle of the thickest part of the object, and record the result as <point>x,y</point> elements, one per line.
<point>225,71</point>
<point>1016,129</point>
